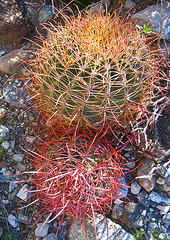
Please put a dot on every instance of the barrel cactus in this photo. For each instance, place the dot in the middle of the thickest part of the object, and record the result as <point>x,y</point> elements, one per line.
<point>95,70</point>
<point>77,177</point>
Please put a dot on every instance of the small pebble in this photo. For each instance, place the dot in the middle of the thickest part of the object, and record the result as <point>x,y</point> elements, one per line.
<point>127,155</point>
<point>166,218</point>
<point>2,112</point>
<point>5,145</point>
<point>160,181</point>
<point>18,157</point>
<point>117,209</point>
<point>135,188</point>
<point>155,197</point>
<point>31,138</point>
<point>51,236</point>
<point>23,192</point>
<point>13,221</point>
<point>12,144</point>
<point>163,209</point>
<point>166,187</point>
<point>41,230</point>
<point>22,217</point>
<point>129,4</point>
<point>12,186</point>
<point>162,236</point>
<point>131,165</point>
<point>4,132</point>
<point>118,201</point>
<point>143,198</point>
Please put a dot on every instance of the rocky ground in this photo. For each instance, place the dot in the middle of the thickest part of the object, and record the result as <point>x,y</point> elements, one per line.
<point>148,217</point>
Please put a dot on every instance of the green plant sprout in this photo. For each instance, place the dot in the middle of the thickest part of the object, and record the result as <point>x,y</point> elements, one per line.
<point>145,29</point>
<point>139,234</point>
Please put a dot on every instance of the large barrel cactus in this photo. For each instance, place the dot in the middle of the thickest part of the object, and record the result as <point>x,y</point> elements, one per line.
<point>95,70</point>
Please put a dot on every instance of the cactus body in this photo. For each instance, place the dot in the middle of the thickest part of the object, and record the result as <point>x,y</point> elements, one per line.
<point>95,70</point>
<point>78,177</point>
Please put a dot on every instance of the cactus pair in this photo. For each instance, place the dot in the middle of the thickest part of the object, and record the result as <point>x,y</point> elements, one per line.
<point>93,74</point>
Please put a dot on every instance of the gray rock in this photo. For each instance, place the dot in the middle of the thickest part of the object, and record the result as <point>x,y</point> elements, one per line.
<point>46,13</point>
<point>143,198</point>
<point>149,214</point>
<point>11,93</point>
<point>129,4</point>
<point>131,165</point>
<point>41,230</point>
<point>97,7</point>
<point>10,62</point>
<point>51,236</point>
<point>127,155</point>
<point>17,157</point>
<point>106,2</point>
<point>12,186</point>
<point>22,218</point>
<point>167,173</point>
<point>162,236</point>
<point>5,145</point>
<point>163,209</point>
<point>12,144</point>
<point>7,174</point>
<point>135,188</point>
<point>13,221</point>
<point>136,215</point>
<point>166,218</point>
<point>77,232</point>
<point>2,178</point>
<point>160,181</point>
<point>157,14</point>
<point>1,232</point>
<point>117,210</point>
<point>4,132</point>
<point>115,231</point>
<point>118,201</point>
<point>164,171</point>
<point>155,197</point>
<point>145,180</point>
<point>153,227</point>
<point>31,139</point>
<point>2,112</point>
<point>23,192</point>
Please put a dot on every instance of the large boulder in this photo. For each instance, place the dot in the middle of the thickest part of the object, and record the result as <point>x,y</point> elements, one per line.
<point>13,21</point>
